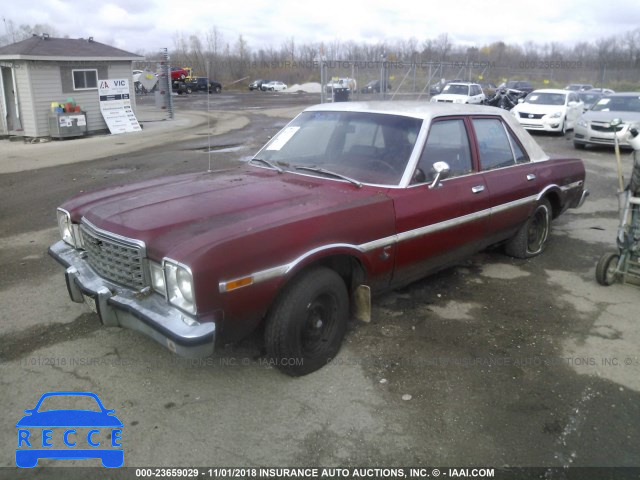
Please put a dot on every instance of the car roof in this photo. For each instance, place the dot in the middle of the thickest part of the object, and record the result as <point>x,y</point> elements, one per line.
<point>417,109</point>
<point>552,90</point>
<point>428,111</point>
<point>624,94</point>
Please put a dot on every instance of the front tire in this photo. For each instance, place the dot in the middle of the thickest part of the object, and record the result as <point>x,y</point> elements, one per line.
<point>532,237</point>
<point>606,273</point>
<point>306,326</point>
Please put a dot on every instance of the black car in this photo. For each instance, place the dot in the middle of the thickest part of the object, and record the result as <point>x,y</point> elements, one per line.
<point>257,84</point>
<point>201,84</point>
<point>521,85</point>
<point>373,87</point>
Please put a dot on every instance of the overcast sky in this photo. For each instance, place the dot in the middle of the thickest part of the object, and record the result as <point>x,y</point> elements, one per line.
<point>152,24</point>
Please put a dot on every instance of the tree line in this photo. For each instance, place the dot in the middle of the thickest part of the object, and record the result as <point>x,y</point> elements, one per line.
<point>612,61</point>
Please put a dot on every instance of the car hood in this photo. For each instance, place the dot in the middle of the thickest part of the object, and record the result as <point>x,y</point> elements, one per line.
<point>69,418</point>
<point>539,109</point>
<point>600,116</point>
<point>170,212</point>
<point>451,96</point>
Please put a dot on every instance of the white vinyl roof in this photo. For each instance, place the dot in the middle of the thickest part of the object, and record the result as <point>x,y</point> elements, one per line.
<point>428,111</point>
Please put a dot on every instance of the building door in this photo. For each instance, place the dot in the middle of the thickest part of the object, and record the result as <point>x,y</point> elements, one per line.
<point>10,101</point>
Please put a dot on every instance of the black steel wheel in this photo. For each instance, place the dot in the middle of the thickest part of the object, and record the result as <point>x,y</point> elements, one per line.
<point>606,269</point>
<point>308,321</point>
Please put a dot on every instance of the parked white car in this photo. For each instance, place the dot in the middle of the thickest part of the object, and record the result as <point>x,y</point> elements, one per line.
<point>275,86</point>
<point>462,92</point>
<point>550,110</point>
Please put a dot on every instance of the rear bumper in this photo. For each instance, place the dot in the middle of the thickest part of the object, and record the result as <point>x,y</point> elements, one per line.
<point>120,306</point>
<point>579,200</point>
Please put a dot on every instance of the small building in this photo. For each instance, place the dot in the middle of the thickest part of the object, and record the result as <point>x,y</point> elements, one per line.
<point>40,70</point>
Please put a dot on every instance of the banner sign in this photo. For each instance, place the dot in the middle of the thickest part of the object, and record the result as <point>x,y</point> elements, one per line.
<point>115,105</point>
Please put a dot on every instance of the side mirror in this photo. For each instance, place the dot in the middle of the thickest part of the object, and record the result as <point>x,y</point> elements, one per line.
<point>521,100</point>
<point>442,170</point>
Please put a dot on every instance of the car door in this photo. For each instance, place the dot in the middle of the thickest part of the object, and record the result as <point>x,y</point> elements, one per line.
<point>475,94</point>
<point>511,178</point>
<point>438,224</point>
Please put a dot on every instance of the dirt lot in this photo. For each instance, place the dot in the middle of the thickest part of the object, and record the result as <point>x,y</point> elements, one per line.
<point>495,362</point>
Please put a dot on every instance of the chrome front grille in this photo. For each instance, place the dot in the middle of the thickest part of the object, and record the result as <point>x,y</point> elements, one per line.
<point>113,257</point>
<point>533,116</point>
<point>604,127</point>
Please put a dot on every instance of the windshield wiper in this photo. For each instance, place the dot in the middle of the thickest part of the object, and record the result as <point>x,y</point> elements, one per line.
<point>268,163</point>
<point>329,172</point>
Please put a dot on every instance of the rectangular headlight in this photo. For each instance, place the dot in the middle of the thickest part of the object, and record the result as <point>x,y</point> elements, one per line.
<point>66,228</point>
<point>179,285</point>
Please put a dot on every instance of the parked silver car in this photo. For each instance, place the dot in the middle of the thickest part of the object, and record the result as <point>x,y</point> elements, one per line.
<point>594,126</point>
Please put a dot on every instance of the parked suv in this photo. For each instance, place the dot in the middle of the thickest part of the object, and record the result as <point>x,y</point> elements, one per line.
<point>463,92</point>
<point>579,87</point>
<point>257,84</point>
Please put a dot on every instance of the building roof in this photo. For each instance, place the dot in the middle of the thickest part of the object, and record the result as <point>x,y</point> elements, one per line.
<point>49,48</point>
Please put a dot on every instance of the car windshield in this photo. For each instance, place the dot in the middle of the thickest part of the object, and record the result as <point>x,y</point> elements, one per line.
<point>456,89</point>
<point>590,98</point>
<point>629,103</point>
<point>543,98</point>
<point>366,147</point>
<point>69,402</point>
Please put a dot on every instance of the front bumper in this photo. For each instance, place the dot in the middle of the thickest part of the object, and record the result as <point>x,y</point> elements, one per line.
<point>120,306</point>
<point>542,124</point>
<point>587,136</point>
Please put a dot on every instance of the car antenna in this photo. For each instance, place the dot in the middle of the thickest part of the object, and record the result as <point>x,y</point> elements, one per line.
<point>208,119</point>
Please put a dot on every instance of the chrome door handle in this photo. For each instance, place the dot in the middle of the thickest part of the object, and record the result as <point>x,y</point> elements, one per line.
<point>477,189</point>
<point>530,177</point>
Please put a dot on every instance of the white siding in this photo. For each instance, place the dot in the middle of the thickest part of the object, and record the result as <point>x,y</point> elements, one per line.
<point>25,104</point>
<point>46,84</point>
<point>47,88</point>
<point>3,107</point>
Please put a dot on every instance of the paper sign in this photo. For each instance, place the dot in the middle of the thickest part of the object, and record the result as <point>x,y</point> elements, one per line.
<point>115,105</point>
<point>283,137</point>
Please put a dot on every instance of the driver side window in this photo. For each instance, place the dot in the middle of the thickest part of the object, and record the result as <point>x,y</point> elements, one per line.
<point>447,142</point>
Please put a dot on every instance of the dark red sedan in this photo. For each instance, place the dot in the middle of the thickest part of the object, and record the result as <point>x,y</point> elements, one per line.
<point>346,201</point>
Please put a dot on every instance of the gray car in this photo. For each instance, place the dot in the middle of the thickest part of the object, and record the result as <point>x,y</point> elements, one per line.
<point>593,127</point>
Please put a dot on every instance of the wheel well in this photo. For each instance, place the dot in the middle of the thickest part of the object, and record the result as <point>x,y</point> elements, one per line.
<point>554,200</point>
<point>348,267</point>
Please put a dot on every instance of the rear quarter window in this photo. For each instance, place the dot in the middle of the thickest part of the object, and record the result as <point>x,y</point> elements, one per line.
<point>494,145</point>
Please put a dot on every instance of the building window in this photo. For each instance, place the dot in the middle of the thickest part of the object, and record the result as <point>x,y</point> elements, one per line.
<point>85,79</point>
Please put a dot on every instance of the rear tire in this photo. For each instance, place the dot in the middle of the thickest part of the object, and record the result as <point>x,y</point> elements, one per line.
<point>533,236</point>
<point>306,326</point>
